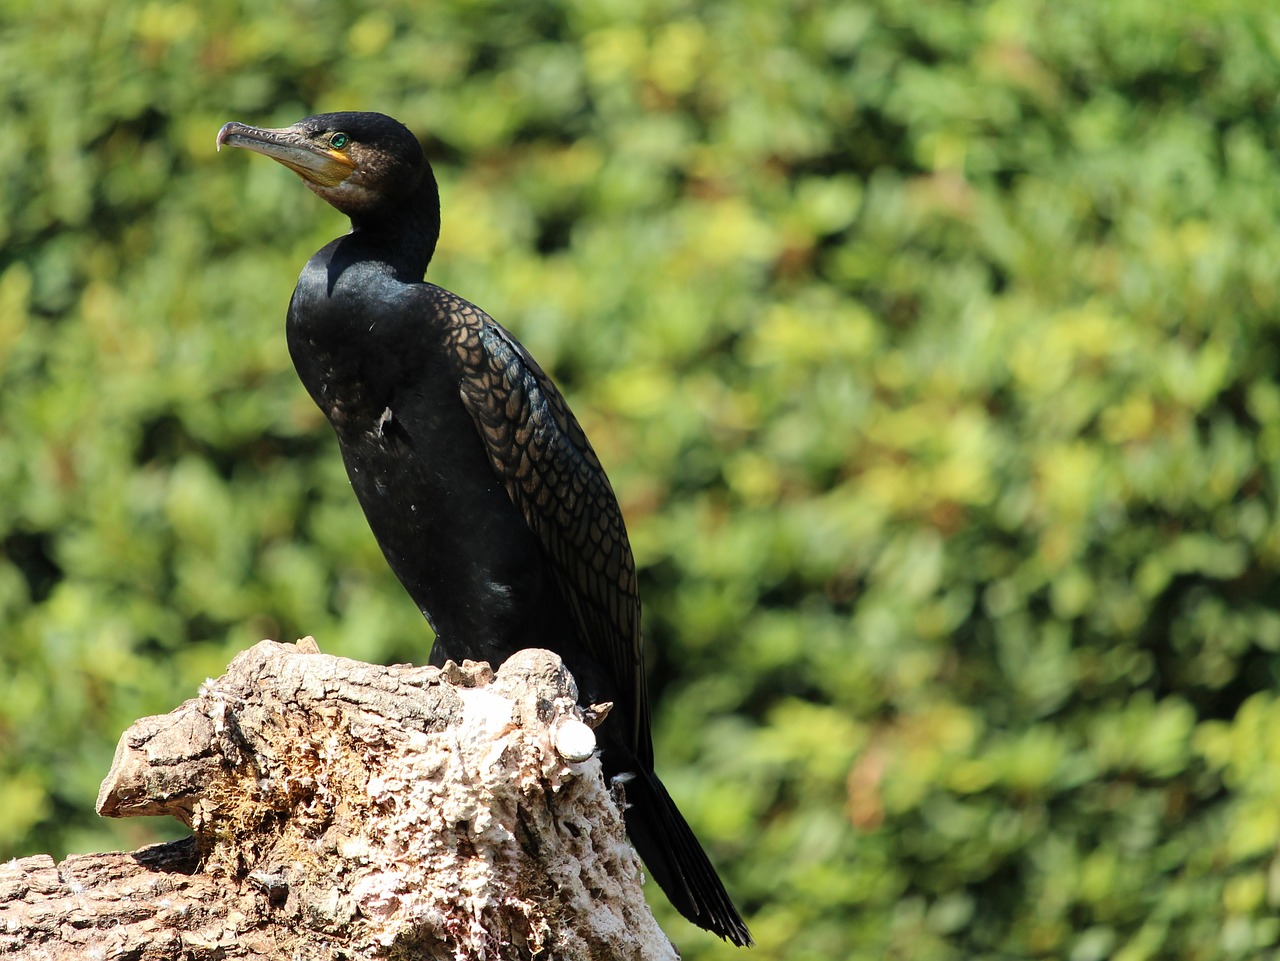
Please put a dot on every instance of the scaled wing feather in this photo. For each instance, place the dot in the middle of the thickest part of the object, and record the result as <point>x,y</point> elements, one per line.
<point>554,478</point>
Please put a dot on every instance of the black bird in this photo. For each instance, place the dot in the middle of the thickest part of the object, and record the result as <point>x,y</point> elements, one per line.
<point>480,487</point>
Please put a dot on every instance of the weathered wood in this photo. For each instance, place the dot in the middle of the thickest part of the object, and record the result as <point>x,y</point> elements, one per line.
<point>343,810</point>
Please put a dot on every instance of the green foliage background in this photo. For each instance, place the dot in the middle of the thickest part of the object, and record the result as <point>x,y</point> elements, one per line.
<point>932,349</point>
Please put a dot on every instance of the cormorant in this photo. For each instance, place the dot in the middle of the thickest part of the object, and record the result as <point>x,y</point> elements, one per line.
<point>480,487</point>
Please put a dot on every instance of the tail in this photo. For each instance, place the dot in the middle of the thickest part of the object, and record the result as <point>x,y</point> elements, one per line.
<point>676,860</point>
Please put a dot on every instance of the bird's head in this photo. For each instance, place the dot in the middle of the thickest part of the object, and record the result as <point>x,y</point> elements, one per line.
<point>360,163</point>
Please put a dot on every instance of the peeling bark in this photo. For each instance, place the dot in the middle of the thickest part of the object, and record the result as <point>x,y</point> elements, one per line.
<point>343,810</point>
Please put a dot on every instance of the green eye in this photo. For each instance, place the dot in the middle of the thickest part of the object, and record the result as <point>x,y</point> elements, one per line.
<point>338,140</point>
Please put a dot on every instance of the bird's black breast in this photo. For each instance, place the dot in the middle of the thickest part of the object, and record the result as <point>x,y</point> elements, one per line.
<point>477,481</point>
<point>378,356</point>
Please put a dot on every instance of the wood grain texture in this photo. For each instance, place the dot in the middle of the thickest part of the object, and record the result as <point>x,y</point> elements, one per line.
<point>345,810</point>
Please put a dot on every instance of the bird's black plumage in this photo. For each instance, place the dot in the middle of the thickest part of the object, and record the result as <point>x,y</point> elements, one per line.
<point>482,490</point>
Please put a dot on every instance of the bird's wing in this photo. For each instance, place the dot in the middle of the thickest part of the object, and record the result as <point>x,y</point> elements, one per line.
<point>554,478</point>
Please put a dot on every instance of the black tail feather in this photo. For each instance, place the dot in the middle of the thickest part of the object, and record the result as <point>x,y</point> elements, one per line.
<point>676,860</point>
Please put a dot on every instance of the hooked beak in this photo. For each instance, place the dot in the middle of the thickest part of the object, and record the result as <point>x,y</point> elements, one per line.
<point>311,159</point>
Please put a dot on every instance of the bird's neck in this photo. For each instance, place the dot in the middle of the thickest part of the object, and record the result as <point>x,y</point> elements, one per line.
<point>403,234</point>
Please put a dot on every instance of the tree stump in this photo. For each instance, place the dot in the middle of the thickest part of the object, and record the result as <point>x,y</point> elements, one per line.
<point>342,810</point>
